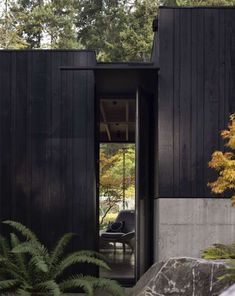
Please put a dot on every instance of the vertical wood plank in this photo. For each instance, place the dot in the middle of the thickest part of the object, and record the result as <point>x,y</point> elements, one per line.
<point>165,103</point>
<point>5,129</point>
<point>194,93</point>
<point>200,85</point>
<point>21,187</point>
<point>231,60</point>
<point>176,113</point>
<point>211,97</point>
<point>39,124</point>
<point>222,76</point>
<point>185,103</point>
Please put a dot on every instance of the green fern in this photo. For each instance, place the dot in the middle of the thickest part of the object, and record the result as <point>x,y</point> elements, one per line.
<point>50,287</point>
<point>60,247</point>
<point>77,282</point>
<point>222,251</point>
<point>6,284</point>
<point>105,284</point>
<point>230,272</point>
<point>219,251</point>
<point>22,292</point>
<point>4,247</point>
<point>27,267</point>
<point>22,229</point>
<point>90,284</point>
<point>78,258</point>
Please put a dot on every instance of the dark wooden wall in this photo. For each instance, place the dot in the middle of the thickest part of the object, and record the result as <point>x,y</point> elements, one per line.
<point>47,144</point>
<point>196,95</point>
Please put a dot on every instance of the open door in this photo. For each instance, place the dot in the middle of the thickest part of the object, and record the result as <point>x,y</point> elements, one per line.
<point>143,208</point>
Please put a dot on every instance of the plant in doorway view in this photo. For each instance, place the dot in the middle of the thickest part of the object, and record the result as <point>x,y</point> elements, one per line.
<point>224,164</point>
<point>28,268</point>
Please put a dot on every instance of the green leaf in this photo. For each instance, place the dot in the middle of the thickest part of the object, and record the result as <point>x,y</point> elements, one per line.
<point>34,248</point>
<point>77,282</point>
<point>49,286</point>
<point>7,284</point>
<point>78,258</point>
<point>108,285</point>
<point>22,292</point>
<point>219,251</point>
<point>10,268</point>
<point>39,262</point>
<point>59,248</point>
<point>22,229</point>
<point>19,258</point>
<point>99,283</point>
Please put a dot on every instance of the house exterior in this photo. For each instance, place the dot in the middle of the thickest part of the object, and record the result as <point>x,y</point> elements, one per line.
<point>50,135</point>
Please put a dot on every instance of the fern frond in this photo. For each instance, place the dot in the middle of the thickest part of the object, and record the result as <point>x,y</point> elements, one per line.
<point>3,259</point>
<point>59,248</point>
<point>32,247</point>
<point>4,247</point>
<point>8,284</point>
<point>108,285</point>
<point>10,268</point>
<point>22,229</point>
<point>77,258</point>
<point>49,286</point>
<point>28,268</point>
<point>77,282</point>
<point>218,251</point>
<point>9,271</point>
<point>19,258</point>
<point>38,261</point>
<point>35,250</point>
<point>22,292</point>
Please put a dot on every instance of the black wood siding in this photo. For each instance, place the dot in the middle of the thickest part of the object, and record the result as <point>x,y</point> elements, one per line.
<point>196,95</point>
<point>47,144</point>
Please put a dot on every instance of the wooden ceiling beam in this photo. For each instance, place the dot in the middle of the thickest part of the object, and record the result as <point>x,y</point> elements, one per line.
<point>105,121</point>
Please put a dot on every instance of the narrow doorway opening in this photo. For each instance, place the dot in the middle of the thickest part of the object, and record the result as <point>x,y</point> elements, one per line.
<point>117,186</point>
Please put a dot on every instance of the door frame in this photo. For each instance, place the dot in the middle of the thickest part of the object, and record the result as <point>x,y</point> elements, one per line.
<point>138,273</point>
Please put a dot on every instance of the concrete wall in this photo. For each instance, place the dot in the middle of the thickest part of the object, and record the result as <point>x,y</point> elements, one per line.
<point>185,226</point>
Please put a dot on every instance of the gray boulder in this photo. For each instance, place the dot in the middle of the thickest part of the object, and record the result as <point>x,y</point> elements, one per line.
<point>229,292</point>
<point>182,277</point>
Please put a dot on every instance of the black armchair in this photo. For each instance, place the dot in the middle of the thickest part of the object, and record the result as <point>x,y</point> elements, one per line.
<point>127,235</point>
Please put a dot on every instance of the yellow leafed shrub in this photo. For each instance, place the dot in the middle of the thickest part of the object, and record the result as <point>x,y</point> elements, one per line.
<point>224,163</point>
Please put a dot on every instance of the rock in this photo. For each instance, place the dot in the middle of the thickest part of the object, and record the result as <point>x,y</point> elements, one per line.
<point>182,277</point>
<point>229,292</point>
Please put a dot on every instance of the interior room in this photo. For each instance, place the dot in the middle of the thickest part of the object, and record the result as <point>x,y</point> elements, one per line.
<point>117,221</point>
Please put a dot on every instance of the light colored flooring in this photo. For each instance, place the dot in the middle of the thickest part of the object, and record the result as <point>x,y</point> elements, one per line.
<point>122,264</point>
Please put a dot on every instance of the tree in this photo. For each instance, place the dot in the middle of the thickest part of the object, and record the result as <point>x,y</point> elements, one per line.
<point>110,188</point>
<point>28,15</point>
<point>49,24</point>
<point>224,163</point>
<point>111,177</point>
<point>118,30</point>
<point>60,25</point>
<point>9,36</point>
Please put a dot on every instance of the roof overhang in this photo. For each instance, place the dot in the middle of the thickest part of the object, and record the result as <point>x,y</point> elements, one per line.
<point>120,78</point>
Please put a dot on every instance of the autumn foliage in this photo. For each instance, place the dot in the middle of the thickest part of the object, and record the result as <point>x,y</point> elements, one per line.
<point>224,163</point>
